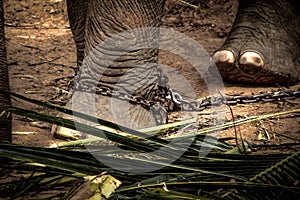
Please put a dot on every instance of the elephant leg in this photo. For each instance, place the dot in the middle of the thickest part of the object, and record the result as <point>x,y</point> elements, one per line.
<point>120,53</point>
<point>263,45</point>
<point>77,10</point>
<point>5,122</point>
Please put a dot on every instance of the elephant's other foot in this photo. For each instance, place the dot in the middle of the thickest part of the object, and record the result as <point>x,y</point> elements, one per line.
<point>263,45</point>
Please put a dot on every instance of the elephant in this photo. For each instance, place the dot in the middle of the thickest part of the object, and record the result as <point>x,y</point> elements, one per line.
<point>263,47</point>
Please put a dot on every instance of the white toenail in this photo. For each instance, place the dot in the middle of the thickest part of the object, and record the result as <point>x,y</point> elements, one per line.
<point>252,58</point>
<point>223,56</point>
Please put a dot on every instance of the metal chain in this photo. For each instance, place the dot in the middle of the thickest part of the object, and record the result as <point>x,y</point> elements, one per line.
<point>209,102</point>
<point>166,96</point>
<point>159,106</point>
<point>166,100</point>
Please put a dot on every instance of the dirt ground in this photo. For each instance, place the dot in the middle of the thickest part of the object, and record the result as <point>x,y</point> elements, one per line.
<point>41,56</point>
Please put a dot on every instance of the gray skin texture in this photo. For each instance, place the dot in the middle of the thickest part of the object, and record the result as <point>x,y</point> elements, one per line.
<point>269,28</point>
<point>92,24</point>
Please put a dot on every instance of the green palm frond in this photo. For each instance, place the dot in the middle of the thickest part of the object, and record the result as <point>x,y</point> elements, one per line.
<point>208,174</point>
<point>207,170</point>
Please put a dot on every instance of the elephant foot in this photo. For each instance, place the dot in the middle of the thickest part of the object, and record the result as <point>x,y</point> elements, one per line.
<point>106,108</point>
<point>263,45</point>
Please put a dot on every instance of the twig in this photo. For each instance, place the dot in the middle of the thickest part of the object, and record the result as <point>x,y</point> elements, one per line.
<point>184,3</point>
<point>234,126</point>
<point>23,133</point>
<point>31,26</point>
<point>32,47</point>
<point>285,136</point>
<point>43,62</point>
<point>63,65</point>
<point>35,92</point>
<point>22,76</point>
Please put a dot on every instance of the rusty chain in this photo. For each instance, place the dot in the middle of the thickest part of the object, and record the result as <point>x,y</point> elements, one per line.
<point>159,108</point>
<point>264,97</point>
<point>168,97</point>
<point>166,100</point>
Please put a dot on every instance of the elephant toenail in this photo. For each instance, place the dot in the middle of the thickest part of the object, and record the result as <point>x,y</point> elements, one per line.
<point>251,58</point>
<point>223,56</point>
